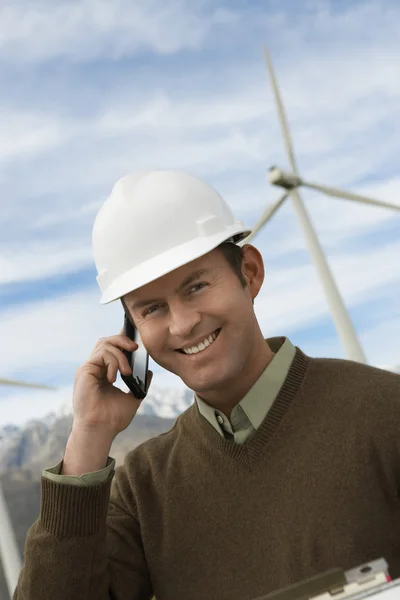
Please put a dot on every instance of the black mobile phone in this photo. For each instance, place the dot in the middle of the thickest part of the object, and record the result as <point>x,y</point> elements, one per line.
<point>138,361</point>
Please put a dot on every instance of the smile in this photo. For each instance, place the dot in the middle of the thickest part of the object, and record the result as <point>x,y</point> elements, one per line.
<point>206,343</point>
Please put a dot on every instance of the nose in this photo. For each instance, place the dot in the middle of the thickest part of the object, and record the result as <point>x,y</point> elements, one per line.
<point>182,320</point>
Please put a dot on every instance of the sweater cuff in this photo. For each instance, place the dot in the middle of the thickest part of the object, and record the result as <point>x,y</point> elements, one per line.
<point>74,511</point>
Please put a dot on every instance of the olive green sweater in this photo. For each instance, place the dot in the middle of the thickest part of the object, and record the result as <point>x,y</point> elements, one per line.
<point>193,515</point>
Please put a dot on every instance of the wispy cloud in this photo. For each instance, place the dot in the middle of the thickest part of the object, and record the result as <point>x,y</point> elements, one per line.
<point>91,90</point>
<point>293,298</point>
<point>92,29</point>
<point>42,261</point>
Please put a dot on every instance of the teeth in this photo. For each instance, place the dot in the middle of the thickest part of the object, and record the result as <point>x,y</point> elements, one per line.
<point>202,346</point>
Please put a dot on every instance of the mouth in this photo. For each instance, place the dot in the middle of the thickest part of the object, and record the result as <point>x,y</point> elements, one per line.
<point>202,346</point>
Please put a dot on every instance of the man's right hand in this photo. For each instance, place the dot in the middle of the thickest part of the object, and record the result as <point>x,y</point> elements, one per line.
<point>97,403</point>
<point>101,410</point>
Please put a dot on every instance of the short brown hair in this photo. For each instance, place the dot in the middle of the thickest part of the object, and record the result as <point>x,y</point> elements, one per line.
<point>234,256</point>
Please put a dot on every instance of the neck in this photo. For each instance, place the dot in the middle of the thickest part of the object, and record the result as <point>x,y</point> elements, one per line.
<point>234,391</point>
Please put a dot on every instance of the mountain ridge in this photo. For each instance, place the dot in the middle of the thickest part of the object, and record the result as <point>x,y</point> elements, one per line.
<point>40,443</point>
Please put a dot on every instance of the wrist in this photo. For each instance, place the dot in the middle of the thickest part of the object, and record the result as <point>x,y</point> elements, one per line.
<point>87,450</point>
<point>96,434</point>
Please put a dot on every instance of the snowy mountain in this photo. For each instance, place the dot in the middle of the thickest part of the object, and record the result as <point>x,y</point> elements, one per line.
<point>40,442</point>
<point>159,402</point>
<point>167,404</point>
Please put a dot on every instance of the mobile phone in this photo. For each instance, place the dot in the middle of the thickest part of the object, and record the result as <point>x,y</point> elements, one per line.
<point>138,361</point>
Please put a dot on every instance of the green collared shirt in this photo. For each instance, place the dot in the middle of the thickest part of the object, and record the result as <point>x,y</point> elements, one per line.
<point>246,417</point>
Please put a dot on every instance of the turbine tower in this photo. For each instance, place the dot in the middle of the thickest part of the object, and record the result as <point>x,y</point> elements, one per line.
<point>9,551</point>
<point>291,182</point>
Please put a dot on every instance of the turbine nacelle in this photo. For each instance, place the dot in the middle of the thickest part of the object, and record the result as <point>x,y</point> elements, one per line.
<point>288,181</point>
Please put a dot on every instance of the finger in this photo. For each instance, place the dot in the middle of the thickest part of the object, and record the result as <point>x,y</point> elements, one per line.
<point>123,362</point>
<point>111,373</point>
<point>119,341</point>
<point>106,355</point>
<point>122,341</point>
<point>111,363</point>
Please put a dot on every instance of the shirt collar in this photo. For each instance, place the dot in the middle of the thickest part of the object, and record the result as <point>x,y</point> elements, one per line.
<point>259,399</point>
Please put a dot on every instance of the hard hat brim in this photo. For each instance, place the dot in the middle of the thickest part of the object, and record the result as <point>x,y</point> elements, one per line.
<point>163,264</point>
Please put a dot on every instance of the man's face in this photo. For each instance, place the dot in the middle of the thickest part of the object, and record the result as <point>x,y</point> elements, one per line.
<point>203,303</point>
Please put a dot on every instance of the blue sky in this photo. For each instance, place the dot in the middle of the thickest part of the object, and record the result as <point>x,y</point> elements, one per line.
<point>91,90</point>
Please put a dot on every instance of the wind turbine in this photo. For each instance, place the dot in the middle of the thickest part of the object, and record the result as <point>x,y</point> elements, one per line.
<point>9,551</point>
<point>291,182</point>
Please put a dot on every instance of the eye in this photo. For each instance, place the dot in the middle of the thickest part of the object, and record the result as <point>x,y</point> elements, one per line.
<point>197,287</point>
<point>151,310</point>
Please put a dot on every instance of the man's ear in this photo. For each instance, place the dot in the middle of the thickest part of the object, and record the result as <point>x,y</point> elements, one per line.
<point>252,269</point>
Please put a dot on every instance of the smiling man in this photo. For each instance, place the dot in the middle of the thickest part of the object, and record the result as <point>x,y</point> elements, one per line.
<point>198,322</point>
<point>284,466</point>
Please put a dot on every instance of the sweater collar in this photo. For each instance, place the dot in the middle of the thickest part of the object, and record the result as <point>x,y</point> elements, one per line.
<point>247,453</point>
<point>259,399</point>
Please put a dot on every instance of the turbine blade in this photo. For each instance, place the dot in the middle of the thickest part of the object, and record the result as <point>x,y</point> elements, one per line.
<point>281,111</point>
<point>266,216</point>
<point>337,193</point>
<point>13,382</point>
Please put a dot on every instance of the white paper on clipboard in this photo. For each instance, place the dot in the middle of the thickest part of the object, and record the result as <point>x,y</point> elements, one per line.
<point>389,591</point>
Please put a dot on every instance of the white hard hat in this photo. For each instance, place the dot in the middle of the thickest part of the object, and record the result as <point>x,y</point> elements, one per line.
<point>154,222</point>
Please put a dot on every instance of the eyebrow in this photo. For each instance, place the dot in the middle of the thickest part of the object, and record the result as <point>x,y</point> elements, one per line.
<point>188,280</point>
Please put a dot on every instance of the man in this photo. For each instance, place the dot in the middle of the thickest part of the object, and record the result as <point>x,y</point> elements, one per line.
<point>284,466</point>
